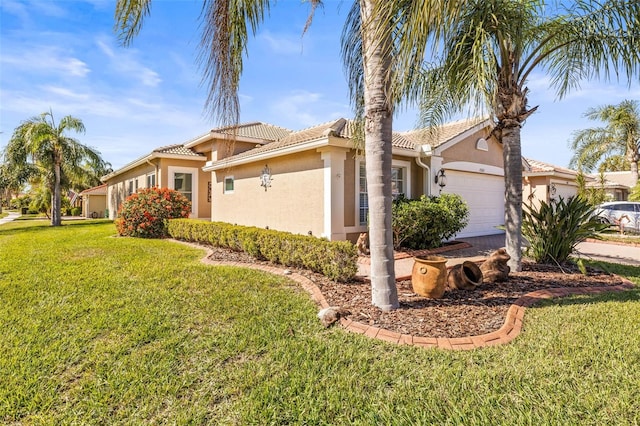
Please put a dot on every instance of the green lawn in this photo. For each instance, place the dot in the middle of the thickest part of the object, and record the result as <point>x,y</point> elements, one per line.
<point>104,330</point>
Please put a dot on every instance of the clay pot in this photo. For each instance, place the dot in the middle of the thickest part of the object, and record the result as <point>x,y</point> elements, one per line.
<point>429,276</point>
<point>466,276</point>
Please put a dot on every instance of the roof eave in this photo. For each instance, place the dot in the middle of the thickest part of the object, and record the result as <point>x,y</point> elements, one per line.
<point>148,158</point>
<point>437,150</point>
<point>267,155</point>
<point>211,136</point>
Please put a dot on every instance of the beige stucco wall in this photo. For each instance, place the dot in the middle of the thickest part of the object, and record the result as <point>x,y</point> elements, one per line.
<point>350,185</point>
<point>94,203</point>
<point>536,188</point>
<point>203,201</point>
<point>293,203</point>
<point>117,189</point>
<point>466,150</point>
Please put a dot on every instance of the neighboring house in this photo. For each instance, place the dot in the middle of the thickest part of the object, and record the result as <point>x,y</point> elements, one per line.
<point>313,181</point>
<point>542,181</point>
<point>94,201</point>
<point>179,166</point>
<point>617,185</point>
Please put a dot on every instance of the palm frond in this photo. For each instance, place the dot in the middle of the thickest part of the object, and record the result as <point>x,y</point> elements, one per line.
<point>129,17</point>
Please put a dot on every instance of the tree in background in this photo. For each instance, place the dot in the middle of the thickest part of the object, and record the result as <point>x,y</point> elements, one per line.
<point>40,149</point>
<point>226,26</point>
<point>615,145</point>
<point>595,194</point>
<point>491,51</point>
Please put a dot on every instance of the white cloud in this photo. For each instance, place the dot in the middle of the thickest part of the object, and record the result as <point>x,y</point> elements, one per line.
<point>302,109</point>
<point>281,43</point>
<point>16,9</point>
<point>62,91</point>
<point>126,62</point>
<point>45,59</point>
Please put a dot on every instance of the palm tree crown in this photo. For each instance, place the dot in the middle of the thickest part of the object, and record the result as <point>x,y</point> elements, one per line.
<point>494,47</point>
<point>42,147</point>
<point>620,136</point>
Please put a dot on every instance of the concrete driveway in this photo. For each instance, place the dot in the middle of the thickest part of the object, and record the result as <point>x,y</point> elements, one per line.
<point>610,252</point>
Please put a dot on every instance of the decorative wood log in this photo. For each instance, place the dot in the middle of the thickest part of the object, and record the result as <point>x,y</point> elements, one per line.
<point>495,268</point>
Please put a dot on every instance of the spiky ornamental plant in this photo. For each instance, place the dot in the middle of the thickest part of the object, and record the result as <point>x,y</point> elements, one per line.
<point>554,229</point>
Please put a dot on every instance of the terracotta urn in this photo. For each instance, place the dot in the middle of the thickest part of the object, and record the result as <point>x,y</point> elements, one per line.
<point>429,276</point>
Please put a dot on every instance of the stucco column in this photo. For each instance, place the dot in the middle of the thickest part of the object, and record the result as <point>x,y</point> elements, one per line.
<point>334,193</point>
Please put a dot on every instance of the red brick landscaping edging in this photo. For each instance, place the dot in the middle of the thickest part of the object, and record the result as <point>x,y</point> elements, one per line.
<point>510,329</point>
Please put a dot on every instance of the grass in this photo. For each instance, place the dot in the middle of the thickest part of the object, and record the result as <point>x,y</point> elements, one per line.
<point>627,238</point>
<point>97,329</point>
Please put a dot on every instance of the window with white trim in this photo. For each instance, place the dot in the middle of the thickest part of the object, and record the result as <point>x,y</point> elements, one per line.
<point>398,177</point>
<point>151,180</point>
<point>400,186</point>
<point>228,184</point>
<point>132,186</point>
<point>183,183</point>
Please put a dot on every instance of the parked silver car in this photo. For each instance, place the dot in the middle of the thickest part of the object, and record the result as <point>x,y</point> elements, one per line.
<point>626,213</point>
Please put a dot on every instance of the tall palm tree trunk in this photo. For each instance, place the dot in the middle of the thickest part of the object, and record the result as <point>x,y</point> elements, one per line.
<point>634,169</point>
<point>378,151</point>
<point>512,154</point>
<point>56,204</point>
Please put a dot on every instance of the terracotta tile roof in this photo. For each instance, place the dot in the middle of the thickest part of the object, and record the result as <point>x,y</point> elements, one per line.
<point>256,130</point>
<point>96,190</point>
<point>346,129</point>
<point>622,178</point>
<point>539,166</point>
<point>294,138</point>
<point>437,136</point>
<point>178,149</point>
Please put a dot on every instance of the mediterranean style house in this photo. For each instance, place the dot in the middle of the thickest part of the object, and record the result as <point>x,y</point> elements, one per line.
<point>542,181</point>
<point>179,166</point>
<point>94,202</point>
<point>313,181</point>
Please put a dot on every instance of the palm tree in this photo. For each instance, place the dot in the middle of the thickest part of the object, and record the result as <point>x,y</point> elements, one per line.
<point>224,40</point>
<point>493,48</point>
<point>620,136</point>
<point>41,148</point>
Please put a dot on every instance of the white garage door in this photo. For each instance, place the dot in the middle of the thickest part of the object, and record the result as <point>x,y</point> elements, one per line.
<point>484,195</point>
<point>564,191</point>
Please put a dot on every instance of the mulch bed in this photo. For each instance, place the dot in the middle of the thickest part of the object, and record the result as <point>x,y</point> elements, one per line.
<point>459,313</point>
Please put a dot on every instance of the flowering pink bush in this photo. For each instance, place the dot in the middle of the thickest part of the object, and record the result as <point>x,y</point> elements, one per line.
<point>145,213</point>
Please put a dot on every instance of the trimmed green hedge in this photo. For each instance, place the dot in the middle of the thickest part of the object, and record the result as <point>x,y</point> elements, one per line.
<point>334,259</point>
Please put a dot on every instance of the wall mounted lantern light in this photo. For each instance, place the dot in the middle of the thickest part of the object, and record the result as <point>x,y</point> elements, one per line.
<point>441,179</point>
<point>265,177</point>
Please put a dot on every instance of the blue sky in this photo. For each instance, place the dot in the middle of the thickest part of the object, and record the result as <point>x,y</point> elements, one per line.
<point>63,55</point>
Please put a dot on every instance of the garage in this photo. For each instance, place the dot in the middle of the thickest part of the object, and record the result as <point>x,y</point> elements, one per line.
<point>484,195</point>
<point>562,190</point>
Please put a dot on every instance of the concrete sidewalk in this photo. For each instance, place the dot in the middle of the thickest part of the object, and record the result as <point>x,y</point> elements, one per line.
<point>10,217</point>
<point>476,249</point>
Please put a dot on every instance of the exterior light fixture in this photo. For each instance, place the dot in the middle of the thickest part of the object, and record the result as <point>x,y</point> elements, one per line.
<point>441,179</point>
<point>265,177</point>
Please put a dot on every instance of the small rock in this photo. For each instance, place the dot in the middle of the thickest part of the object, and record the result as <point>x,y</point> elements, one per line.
<point>331,314</point>
<point>287,272</point>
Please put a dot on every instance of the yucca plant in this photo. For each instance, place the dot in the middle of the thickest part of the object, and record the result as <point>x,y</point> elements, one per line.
<point>554,229</point>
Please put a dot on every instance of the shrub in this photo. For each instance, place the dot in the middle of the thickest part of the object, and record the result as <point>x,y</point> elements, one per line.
<point>426,222</point>
<point>76,211</point>
<point>553,230</point>
<point>145,213</point>
<point>334,259</point>
<point>634,195</point>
